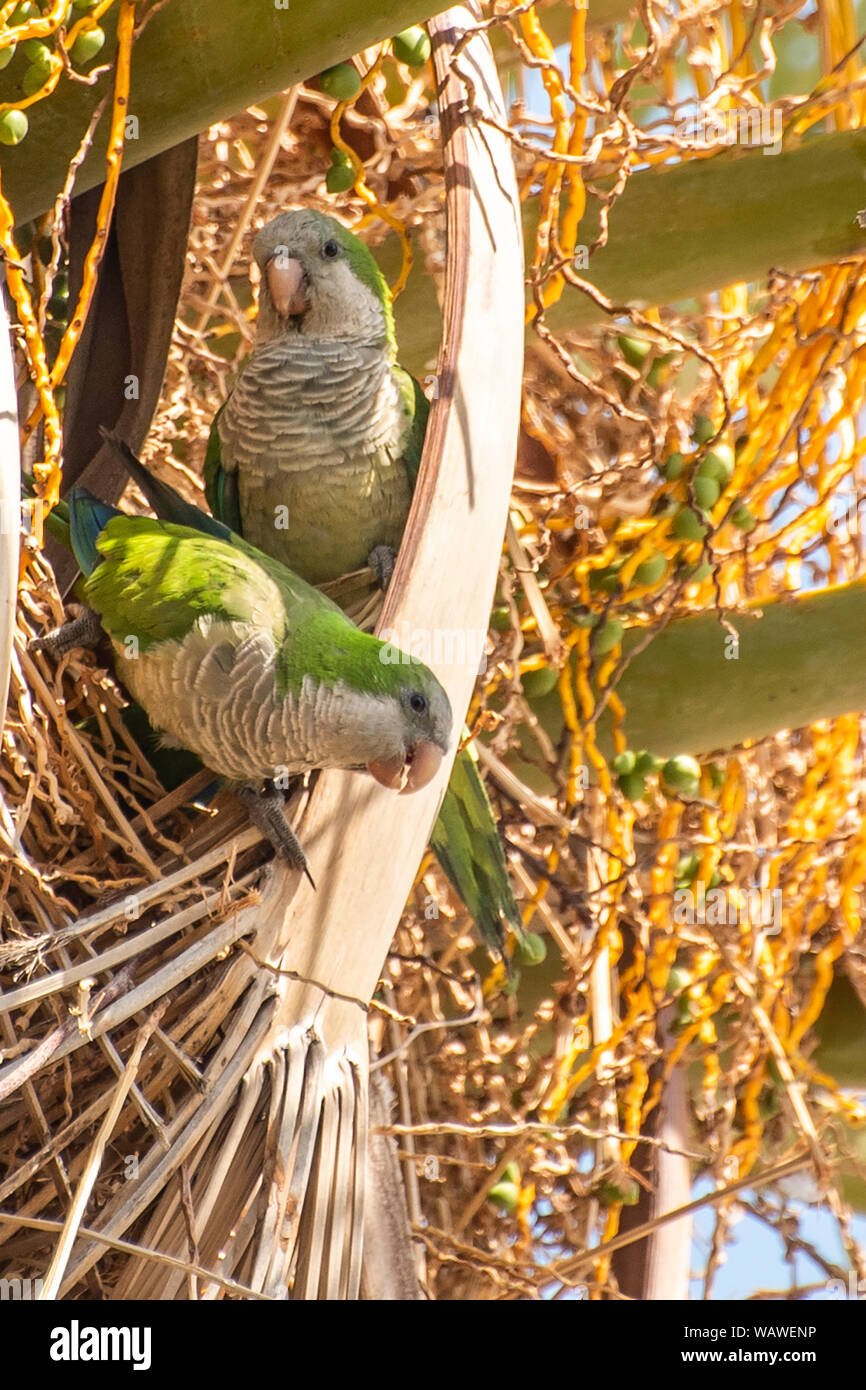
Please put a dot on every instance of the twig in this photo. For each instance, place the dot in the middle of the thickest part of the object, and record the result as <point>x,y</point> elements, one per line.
<point>60,1259</point>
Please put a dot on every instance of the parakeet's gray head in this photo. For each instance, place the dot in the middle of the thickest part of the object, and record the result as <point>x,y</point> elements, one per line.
<point>319,280</point>
<point>417,730</point>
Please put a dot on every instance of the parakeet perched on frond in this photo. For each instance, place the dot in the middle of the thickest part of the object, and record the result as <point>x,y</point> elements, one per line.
<point>315,453</point>
<point>234,657</point>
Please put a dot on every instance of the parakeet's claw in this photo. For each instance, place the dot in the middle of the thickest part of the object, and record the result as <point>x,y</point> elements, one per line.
<point>83,631</point>
<point>382,559</point>
<point>265,810</point>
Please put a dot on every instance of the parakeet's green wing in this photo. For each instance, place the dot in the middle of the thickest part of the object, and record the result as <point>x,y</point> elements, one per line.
<point>220,485</point>
<point>157,579</point>
<point>419,408</point>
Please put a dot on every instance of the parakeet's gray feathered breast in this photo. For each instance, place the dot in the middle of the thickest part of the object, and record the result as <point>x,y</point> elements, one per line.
<point>315,431</point>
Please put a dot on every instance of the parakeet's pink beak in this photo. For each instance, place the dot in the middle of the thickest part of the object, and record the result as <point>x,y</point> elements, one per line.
<point>288,287</point>
<point>411,773</point>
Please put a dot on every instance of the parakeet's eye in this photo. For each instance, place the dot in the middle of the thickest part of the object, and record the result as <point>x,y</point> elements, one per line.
<point>418,702</point>
<point>330,250</point>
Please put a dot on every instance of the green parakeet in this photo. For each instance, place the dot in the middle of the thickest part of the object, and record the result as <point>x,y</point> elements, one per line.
<point>314,457</point>
<point>234,657</point>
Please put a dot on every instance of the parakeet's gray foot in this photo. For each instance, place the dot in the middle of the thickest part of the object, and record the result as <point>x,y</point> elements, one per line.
<point>382,559</point>
<point>265,810</point>
<point>84,631</point>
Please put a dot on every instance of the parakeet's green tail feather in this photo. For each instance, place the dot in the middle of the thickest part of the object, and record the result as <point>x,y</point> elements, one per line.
<point>165,500</point>
<point>467,845</point>
<point>88,517</point>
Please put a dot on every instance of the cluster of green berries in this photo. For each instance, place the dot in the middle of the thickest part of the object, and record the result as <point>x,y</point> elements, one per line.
<point>343,83</point>
<point>680,776</point>
<point>713,473</point>
<point>638,352</point>
<point>712,476</point>
<point>38,54</point>
<point>341,176</point>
